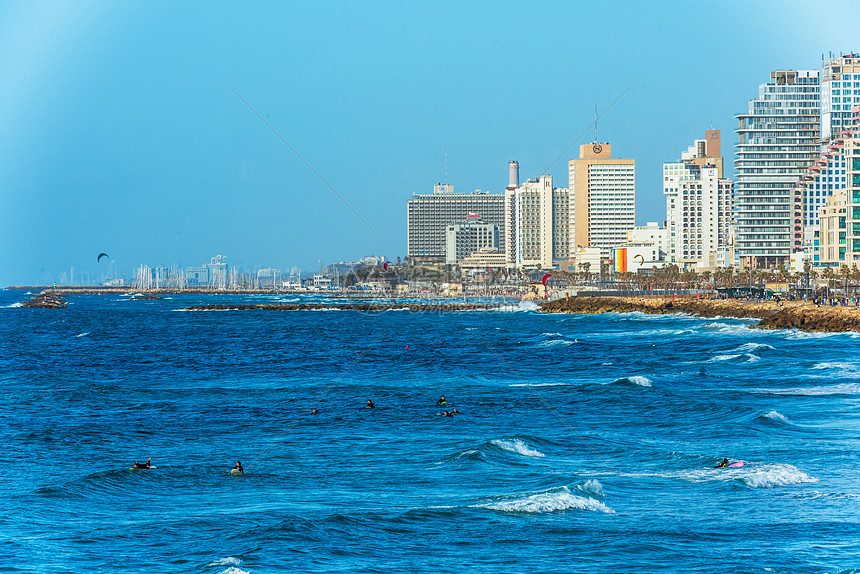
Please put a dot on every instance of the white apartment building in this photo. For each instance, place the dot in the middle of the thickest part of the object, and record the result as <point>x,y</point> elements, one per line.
<point>464,239</point>
<point>778,138</point>
<point>840,91</point>
<point>536,224</point>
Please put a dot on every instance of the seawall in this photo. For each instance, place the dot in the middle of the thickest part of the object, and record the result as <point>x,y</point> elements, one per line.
<point>801,315</point>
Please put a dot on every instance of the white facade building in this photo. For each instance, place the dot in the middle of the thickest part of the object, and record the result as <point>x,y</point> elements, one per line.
<point>536,224</point>
<point>778,138</point>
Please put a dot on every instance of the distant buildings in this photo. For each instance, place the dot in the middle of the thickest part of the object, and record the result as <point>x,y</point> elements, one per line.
<point>698,206</point>
<point>603,199</point>
<point>464,239</point>
<point>840,91</point>
<point>778,138</point>
<point>428,217</point>
<point>536,224</point>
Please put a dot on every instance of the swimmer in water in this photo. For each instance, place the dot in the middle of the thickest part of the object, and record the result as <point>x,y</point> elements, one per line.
<point>370,404</point>
<point>314,412</point>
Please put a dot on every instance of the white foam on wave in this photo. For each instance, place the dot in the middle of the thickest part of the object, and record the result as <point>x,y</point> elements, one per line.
<point>772,475</point>
<point>84,334</point>
<point>234,570</point>
<point>591,487</point>
<point>843,389</point>
<point>556,343</point>
<point>228,561</point>
<point>776,416</point>
<point>843,369</point>
<point>637,380</point>
<point>721,358</point>
<point>749,347</point>
<point>14,305</point>
<point>517,446</point>
<point>553,500</point>
<point>519,307</point>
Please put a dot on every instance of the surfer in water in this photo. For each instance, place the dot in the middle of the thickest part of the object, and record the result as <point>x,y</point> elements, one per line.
<point>441,402</point>
<point>723,464</point>
<point>239,467</point>
<point>370,404</point>
<point>143,464</point>
<point>314,412</point>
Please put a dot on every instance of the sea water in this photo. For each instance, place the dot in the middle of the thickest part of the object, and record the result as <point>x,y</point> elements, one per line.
<point>581,443</point>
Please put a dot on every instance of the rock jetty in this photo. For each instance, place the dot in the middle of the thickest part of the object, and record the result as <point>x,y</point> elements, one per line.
<point>801,315</point>
<point>45,300</point>
<point>342,307</point>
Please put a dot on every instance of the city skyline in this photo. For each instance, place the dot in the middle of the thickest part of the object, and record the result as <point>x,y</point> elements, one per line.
<point>120,135</point>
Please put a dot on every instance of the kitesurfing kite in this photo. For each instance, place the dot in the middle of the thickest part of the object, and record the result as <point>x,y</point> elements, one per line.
<point>102,255</point>
<point>385,265</point>
<point>641,257</point>
<point>545,277</point>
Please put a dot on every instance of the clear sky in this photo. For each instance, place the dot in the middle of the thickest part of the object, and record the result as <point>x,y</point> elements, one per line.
<point>118,132</point>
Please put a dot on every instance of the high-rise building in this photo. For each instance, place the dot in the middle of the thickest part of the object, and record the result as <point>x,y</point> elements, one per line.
<point>536,224</point>
<point>833,230</point>
<point>840,91</point>
<point>465,239</point>
<point>823,178</point>
<point>704,152</point>
<point>428,217</point>
<point>778,138</point>
<point>603,199</point>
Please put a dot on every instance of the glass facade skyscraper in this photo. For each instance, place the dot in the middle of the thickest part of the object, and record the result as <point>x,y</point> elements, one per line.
<point>778,138</point>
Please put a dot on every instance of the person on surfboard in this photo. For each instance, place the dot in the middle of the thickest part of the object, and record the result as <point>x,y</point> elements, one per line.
<point>143,464</point>
<point>441,402</point>
<point>723,464</point>
<point>370,404</point>
<point>239,467</point>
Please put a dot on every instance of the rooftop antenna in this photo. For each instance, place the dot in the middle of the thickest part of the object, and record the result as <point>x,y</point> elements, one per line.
<point>596,117</point>
<point>446,166</point>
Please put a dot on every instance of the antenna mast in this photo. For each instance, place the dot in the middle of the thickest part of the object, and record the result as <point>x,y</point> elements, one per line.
<point>595,123</point>
<point>446,166</point>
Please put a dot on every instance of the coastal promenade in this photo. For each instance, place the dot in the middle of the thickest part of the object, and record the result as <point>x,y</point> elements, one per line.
<point>802,315</point>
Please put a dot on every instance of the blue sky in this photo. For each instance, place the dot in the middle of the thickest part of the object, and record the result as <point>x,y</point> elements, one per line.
<point>118,132</point>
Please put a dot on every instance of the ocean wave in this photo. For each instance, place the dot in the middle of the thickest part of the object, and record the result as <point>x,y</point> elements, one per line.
<point>721,358</point>
<point>519,307</point>
<point>843,369</point>
<point>556,343</point>
<point>749,347</point>
<point>228,561</point>
<point>517,446</point>
<point>552,500</point>
<point>14,305</point>
<point>843,389</point>
<point>635,380</point>
<point>84,334</point>
<point>592,487</point>
<point>776,417</point>
<point>772,475</point>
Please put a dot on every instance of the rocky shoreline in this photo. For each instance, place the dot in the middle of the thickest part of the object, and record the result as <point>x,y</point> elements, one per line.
<point>801,315</point>
<point>341,307</point>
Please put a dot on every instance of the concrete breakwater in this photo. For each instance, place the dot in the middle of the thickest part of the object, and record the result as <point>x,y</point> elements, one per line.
<point>801,315</point>
<point>342,307</point>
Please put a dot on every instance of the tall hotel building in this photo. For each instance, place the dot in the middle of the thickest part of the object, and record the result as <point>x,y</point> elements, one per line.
<point>698,220</point>
<point>428,217</point>
<point>536,224</point>
<point>778,138</point>
<point>603,199</point>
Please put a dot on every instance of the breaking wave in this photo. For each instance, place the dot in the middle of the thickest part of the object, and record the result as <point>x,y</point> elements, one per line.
<point>553,500</point>
<point>517,446</point>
